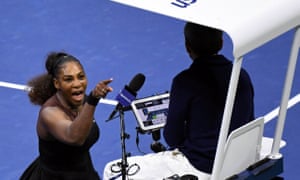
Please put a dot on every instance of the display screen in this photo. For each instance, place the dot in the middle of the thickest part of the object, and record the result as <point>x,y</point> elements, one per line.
<point>151,112</point>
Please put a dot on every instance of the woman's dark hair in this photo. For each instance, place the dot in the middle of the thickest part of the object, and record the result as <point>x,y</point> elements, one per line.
<point>42,87</point>
<point>203,40</point>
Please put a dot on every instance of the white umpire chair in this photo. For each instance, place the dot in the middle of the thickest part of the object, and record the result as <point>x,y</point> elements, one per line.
<point>246,153</point>
<point>242,148</point>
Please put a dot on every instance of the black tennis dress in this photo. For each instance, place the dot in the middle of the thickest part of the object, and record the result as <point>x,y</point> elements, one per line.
<point>60,161</point>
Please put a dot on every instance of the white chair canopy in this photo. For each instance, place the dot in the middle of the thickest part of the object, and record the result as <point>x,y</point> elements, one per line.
<point>249,23</point>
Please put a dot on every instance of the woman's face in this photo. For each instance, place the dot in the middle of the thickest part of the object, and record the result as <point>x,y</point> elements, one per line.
<point>71,83</point>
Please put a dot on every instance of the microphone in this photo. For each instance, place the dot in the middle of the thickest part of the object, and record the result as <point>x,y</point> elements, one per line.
<point>128,94</point>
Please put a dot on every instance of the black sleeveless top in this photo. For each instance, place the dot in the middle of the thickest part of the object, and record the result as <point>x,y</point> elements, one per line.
<point>62,161</point>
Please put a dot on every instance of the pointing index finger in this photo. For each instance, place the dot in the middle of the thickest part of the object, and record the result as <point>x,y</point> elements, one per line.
<point>107,81</point>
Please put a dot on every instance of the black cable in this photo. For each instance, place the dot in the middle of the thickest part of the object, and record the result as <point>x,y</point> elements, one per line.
<point>137,140</point>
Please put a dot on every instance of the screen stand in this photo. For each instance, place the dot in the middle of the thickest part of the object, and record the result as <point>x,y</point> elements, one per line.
<point>157,146</point>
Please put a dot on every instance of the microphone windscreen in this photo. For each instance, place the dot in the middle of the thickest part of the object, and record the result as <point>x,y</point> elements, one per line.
<point>137,82</point>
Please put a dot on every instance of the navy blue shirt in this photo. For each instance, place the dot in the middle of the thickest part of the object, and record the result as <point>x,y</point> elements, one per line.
<point>197,101</point>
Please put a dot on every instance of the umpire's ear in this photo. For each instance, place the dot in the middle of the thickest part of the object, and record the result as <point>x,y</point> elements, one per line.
<point>189,50</point>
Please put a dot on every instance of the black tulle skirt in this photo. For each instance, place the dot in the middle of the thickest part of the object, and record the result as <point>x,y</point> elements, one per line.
<point>35,171</point>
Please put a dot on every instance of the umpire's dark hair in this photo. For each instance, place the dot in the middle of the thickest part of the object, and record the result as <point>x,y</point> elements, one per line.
<point>203,40</point>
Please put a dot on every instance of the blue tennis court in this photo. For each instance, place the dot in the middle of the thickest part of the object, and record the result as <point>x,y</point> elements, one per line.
<point>117,41</point>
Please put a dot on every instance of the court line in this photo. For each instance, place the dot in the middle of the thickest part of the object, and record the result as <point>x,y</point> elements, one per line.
<point>27,89</point>
<point>275,112</point>
<point>268,117</point>
<point>15,86</point>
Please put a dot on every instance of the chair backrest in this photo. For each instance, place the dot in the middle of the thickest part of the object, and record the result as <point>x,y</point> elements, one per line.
<point>242,148</point>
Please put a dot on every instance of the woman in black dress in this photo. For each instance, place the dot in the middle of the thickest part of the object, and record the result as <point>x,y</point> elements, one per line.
<point>66,127</point>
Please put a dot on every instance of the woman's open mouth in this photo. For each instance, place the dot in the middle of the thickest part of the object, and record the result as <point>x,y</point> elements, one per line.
<point>78,95</point>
